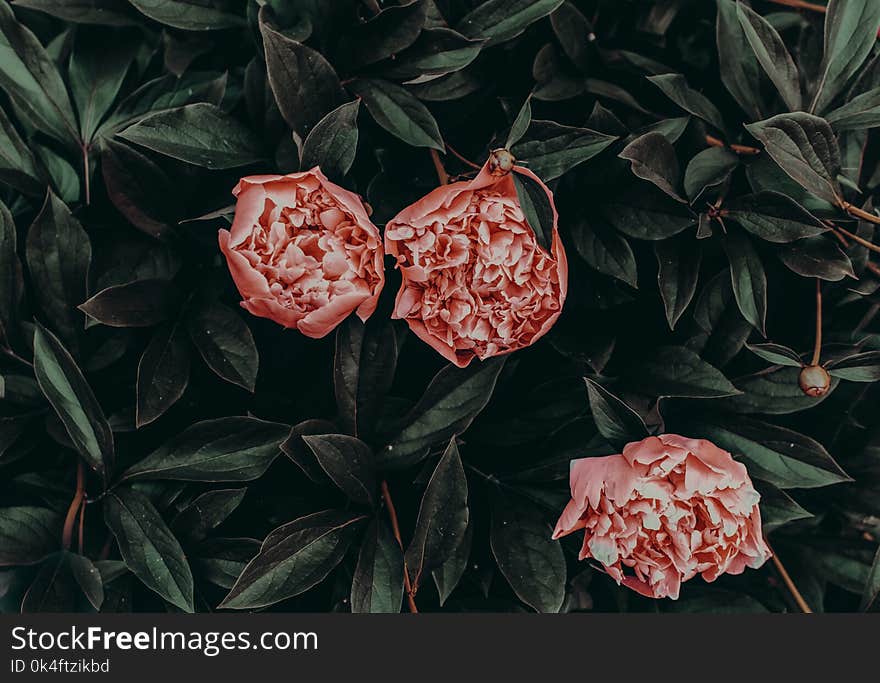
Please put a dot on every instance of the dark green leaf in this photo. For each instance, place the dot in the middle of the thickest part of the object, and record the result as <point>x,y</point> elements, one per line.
<point>348,461</point>
<point>225,343</point>
<point>500,20</point>
<point>817,257</point>
<point>861,112</point>
<point>678,270</point>
<point>437,51</point>
<point>575,33</point>
<point>614,419</point>
<point>443,517</point>
<point>773,217</point>
<point>677,371</point>
<point>148,547</point>
<point>777,354</point>
<point>87,577</point>
<point>748,279</point>
<point>163,374</point>
<point>772,55</point>
<point>778,508</point>
<point>605,250</point>
<point>528,557</point>
<point>293,558</point>
<point>740,71</point>
<point>189,15</point>
<point>723,330</point>
<point>861,367</point>
<point>18,166</point>
<point>69,394</point>
<point>676,88</point>
<point>653,159</point>
<point>390,31</point>
<point>850,34</point>
<point>58,257</point>
<point>773,391</point>
<point>537,207</point>
<point>28,534</point>
<point>142,303</point>
<point>520,124</point>
<point>377,586</point>
<point>206,512</point>
<point>398,112</point>
<point>871,592</point>
<point>222,560</point>
<point>200,134</point>
<point>805,148</point>
<point>96,73</point>
<point>332,143</point>
<point>225,449</point>
<point>648,215</point>
<point>11,284</point>
<point>708,169</point>
<point>551,149</point>
<point>448,575</point>
<point>104,12</point>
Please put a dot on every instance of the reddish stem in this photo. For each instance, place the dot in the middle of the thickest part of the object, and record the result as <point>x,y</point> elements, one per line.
<point>395,529</point>
<point>817,348</point>
<point>712,141</point>
<point>75,505</point>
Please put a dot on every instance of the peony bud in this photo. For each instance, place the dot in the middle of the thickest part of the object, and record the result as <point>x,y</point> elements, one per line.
<point>814,380</point>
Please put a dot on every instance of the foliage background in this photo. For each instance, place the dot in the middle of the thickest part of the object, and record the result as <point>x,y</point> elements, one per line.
<point>126,360</point>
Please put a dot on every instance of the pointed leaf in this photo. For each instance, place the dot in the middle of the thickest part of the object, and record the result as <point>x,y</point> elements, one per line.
<point>708,169</point>
<point>773,217</point>
<point>377,586</point>
<point>226,344</point>
<point>189,15</point>
<point>653,159</point>
<point>740,71</point>
<point>348,461</point>
<point>678,270</point>
<point>142,303</point>
<point>332,143</point>
<point>500,20</point>
<point>614,419</point>
<point>748,279</point>
<point>163,374</point>
<point>677,371</point>
<point>772,55</point>
<point>206,512</point>
<point>552,150</point>
<point>777,354</point>
<point>676,88</point>
<point>398,112</point>
<point>605,250</point>
<point>28,534</point>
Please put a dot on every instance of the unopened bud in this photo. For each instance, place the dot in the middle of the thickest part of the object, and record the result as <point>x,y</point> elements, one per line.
<point>814,380</point>
<point>501,162</point>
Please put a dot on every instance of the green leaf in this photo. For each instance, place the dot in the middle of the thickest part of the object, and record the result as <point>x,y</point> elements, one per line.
<point>63,384</point>
<point>377,585</point>
<point>53,588</point>
<point>443,517</point>
<point>861,367</point>
<point>520,124</point>
<point>528,557</point>
<point>87,577</point>
<point>58,256</point>
<point>805,148</point>
<point>103,12</point>
<point>723,330</point>
<point>777,354</point>
<point>398,112</point>
<point>200,134</point>
<point>332,143</point>
<point>225,449</point>
<point>574,33</point>
<point>18,166</point>
<point>774,392</point>
<point>385,34</point>
<point>774,454</point>
<point>206,512</point>
<point>614,419</point>
<point>648,215</point>
<point>678,270</point>
<point>448,406</point>
<point>778,508</point>
<point>293,558</point>
<point>552,150</point>
<point>740,71</point>
<point>817,257</point>
<point>653,158</point>
<point>28,534</point>
<point>748,279</point>
<point>500,20</point>
<point>537,207</point>
<point>773,217</point>
<point>225,343</point>
<point>222,560</point>
<point>305,86</point>
<point>772,55</point>
<point>437,51</point>
<point>676,88</point>
<point>142,303</point>
<point>163,374</point>
<point>677,371</point>
<point>850,35</point>
<point>11,284</point>
<point>148,547</point>
<point>189,15</point>
<point>363,371</point>
<point>31,80</point>
<point>605,250</point>
<point>348,461</point>
<point>861,112</point>
<point>448,575</point>
<point>96,73</point>
<point>708,169</point>
<point>871,592</point>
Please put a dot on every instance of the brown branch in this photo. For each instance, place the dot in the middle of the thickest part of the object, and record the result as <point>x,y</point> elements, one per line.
<point>82,525</point>
<point>745,150</point>
<point>442,175</point>
<point>462,158</point>
<point>856,212</point>
<point>817,348</point>
<point>789,584</point>
<point>860,240</point>
<point>800,4</point>
<point>395,528</point>
<point>75,505</point>
<point>874,268</point>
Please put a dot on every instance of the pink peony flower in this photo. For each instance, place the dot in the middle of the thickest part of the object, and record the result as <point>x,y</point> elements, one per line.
<point>303,252</point>
<point>476,283</point>
<point>665,510</point>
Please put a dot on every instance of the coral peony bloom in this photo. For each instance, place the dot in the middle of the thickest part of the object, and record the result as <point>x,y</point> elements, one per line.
<point>476,283</point>
<point>665,510</point>
<point>303,252</point>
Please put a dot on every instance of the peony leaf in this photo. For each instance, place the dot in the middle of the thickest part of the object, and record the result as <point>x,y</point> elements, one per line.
<point>377,585</point>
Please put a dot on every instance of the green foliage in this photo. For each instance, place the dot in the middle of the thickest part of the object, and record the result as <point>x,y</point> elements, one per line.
<point>710,162</point>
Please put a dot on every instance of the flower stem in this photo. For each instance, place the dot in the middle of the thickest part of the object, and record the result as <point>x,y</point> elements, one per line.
<point>462,158</point>
<point>860,240</point>
<point>856,212</point>
<point>442,175</point>
<point>789,584</point>
<point>395,528</point>
<point>86,178</point>
<point>75,505</point>
<point>817,348</point>
<point>712,141</point>
<point>801,4</point>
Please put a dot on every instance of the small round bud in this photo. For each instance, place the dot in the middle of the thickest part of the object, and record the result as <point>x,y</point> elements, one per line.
<point>501,162</point>
<point>814,380</point>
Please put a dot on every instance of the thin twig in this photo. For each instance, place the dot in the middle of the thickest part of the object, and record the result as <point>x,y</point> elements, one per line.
<point>82,525</point>
<point>14,356</point>
<point>800,4</point>
<point>395,529</point>
<point>860,240</point>
<point>442,175</point>
<point>461,158</point>
<point>75,505</point>
<point>817,348</point>
<point>874,268</point>
<point>856,212</point>
<point>789,584</point>
<point>86,180</point>
<point>712,141</point>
